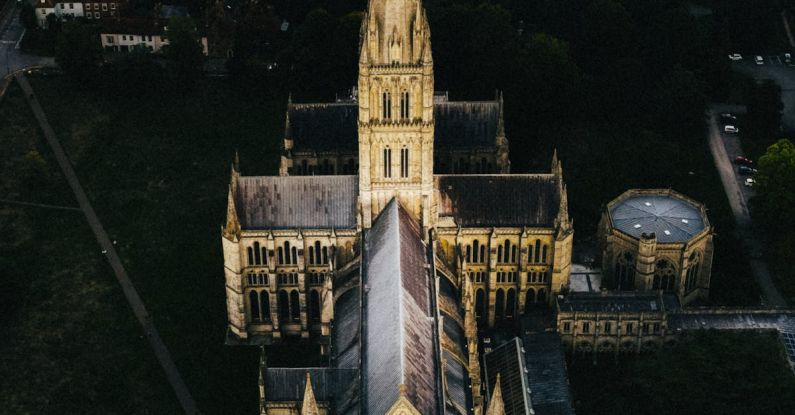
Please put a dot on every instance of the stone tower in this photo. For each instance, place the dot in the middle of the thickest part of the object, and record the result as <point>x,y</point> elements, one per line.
<point>396,127</point>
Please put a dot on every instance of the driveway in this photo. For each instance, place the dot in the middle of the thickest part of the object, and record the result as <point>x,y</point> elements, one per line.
<point>724,147</point>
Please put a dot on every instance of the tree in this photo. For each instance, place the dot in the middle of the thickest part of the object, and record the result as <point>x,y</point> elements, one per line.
<point>774,203</point>
<point>78,52</point>
<point>183,53</point>
<point>764,109</point>
<point>27,15</point>
<point>681,103</point>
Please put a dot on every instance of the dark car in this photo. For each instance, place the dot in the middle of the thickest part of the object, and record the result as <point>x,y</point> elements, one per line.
<point>747,170</point>
<point>743,161</point>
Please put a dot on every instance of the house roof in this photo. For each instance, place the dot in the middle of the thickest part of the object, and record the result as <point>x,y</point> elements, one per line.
<point>279,202</point>
<point>345,335</point>
<point>671,217</point>
<point>508,361</point>
<point>398,346</point>
<point>333,127</point>
<point>339,387</point>
<point>613,302</point>
<point>130,25</point>
<point>546,373</point>
<point>499,200</point>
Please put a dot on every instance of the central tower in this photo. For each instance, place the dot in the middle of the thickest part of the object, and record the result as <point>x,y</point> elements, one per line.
<point>395,110</point>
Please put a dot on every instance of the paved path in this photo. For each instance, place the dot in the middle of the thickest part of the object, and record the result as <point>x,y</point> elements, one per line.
<point>163,356</point>
<point>12,58</point>
<point>738,200</point>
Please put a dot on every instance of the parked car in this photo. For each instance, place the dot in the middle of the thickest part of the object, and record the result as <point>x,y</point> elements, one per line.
<point>731,129</point>
<point>759,60</point>
<point>736,57</point>
<point>750,182</point>
<point>787,58</point>
<point>743,161</point>
<point>727,116</point>
<point>745,170</point>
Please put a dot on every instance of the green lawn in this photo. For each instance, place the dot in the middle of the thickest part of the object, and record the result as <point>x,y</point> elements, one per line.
<point>705,373</point>
<point>70,341</point>
<point>157,171</point>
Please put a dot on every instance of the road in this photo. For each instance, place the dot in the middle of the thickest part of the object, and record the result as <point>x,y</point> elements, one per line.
<point>159,348</point>
<point>11,57</point>
<point>724,148</point>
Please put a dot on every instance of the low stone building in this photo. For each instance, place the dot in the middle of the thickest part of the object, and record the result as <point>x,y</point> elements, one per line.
<point>614,322</point>
<point>657,239</point>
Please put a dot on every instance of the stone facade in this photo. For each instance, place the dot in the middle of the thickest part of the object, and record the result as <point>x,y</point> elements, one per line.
<point>657,251</point>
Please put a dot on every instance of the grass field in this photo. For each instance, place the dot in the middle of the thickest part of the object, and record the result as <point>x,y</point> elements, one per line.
<point>70,342</point>
<point>705,373</point>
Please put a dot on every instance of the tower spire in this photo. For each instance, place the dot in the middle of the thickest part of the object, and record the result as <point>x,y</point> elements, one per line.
<point>496,405</point>
<point>309,407</point>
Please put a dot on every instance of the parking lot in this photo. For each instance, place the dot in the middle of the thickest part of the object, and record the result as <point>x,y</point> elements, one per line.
<point>774,68</point>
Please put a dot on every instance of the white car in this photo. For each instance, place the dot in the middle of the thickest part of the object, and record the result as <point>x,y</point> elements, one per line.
<point>750,182</point>
<point>759,60</point>
<point>736,57</point>
<point>731,129</point>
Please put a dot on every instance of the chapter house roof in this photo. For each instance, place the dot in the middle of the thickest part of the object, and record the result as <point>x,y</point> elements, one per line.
<point>279,202</point>
<point>398,343</point>
<point>499,200</point>
<point>332,127</point>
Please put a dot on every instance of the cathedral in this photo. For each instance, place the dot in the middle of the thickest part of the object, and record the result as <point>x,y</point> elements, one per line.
<point>393,233</point>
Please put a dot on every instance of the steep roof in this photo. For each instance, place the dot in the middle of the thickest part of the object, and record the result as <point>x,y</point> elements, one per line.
<point>274,202</point>
<point>333,127</point>
<point>462,124</point>
<point>324,127</point>
<point>339,387</point>
<point>499,200</point>
<point>546,373</point>
<point>507,362</point>
<point>398,346</point>
<point>345,335</point>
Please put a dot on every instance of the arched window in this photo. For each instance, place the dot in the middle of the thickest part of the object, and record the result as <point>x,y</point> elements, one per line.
<point>544,253</point>
<point>475,257</point>
<point>295,306</point>
<point>250,256</point>
<point>513,254</point>
<point>386,104</point>
<point>538,251</point>
<point>625,271</point>
<point>325,255</point>
<point>479,303</point>
<point>265,302</point>
<point>257,257</point>
<point>264,251</point>
<point>311,255</point>
<point>253,302</point>
<point>694,264</point>
<point>387,162</point>
<point>317,253</point>
<point>404,162</point>
<point>483,253</point>
<point>506,251</point>
<point>314,306</point>
<point>542,295</point>
<point>286,252</point>
<point>664,275</point>
<point>499,305</point>
<point>284,306</point>
<point>468,254</point>
<point>510,303</point>
<point>281,255</point>
<point>294,252</point>
<point>529,299</point>
<point>404,105</point>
